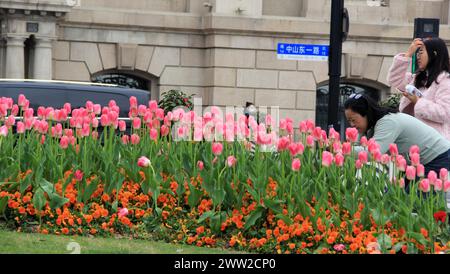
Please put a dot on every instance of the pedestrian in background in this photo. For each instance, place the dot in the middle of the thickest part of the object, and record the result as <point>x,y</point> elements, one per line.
<point>431,77</point>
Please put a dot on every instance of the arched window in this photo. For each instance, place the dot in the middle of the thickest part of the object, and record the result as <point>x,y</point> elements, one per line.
<point>122,79</point>
<point>344,92</point>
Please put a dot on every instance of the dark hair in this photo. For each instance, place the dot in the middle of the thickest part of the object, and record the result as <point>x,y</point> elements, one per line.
<point>438,61</point>
<point>367,107</point>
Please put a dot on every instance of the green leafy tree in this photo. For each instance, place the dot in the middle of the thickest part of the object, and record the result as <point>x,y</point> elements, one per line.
<point>174,98</point>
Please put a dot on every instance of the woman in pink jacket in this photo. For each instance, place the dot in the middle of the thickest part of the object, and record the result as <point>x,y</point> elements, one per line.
<point>432,78</point>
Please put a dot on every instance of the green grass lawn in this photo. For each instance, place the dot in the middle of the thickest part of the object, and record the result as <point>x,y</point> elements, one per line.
<point>30,243</point>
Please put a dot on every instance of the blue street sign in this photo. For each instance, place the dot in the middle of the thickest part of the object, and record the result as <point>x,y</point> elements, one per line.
<point>302,52</point>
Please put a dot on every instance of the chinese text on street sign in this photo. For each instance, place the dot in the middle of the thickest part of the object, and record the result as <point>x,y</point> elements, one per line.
<point>302,52</point>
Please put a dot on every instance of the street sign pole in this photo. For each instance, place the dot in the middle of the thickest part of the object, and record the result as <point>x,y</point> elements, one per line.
<point>334,65</point>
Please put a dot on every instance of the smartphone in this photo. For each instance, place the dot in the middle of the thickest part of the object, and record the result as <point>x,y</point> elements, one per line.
<point>414,63</point>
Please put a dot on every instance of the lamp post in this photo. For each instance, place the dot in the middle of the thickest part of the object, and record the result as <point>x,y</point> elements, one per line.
<point>338,32</point>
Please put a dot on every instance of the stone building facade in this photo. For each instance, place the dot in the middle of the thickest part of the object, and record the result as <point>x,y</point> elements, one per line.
<point>221,50</point>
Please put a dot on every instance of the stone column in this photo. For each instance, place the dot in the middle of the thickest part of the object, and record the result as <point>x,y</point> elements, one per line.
<point>15,57</point>
<point>2,57</point>
<point>42,59</point>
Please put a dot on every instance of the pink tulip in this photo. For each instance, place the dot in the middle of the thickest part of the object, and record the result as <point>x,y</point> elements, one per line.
<point>420,170</point>
<point>296,164</point>
<point>351,134</point>
<point>133,102</point>
<point>424,185</point>
<point>373,146</point>
<point>310,141</point>
<point>135,139</point>
<point>443,173</point>
<point>414,149</point>
<point>217,148</point>
<point>78,175</point>
<point>296,148</point>
<point>67,107</point>
<point>339,247</point>
<point>337,147</point>
<point>385,159</point>
<point>231,161</point>
<point>125,139</point>
<point>97,109</point>
<point>432,177</point>
<point>303,127</point>
<point>200,165</point>
<point>122,126</point>
<point>327,159</point>
<point>159,114</point>
<point>401,163</point>
<point>153,105</point>
<point>410,173</point>
<point>346,148</point>
<point>377,156</point>
<point>22,100</point>
<point>10,121</point>
<point>90,106</point>
<point>15,110</point>
<point>104,120</point>
<point>153,134</point>
<point>317,133</point>
<point>393,149</point>
<point>20,127</point>
<point>85,131</point>
<point>3,131</point>
<point>122,212</point>
<point>64,142</point>
<point>137,123</point>
<point>363,141</point>
<point>401,183</point>
<point>339,159</point>
<point>363,157</point>
<point>143,161</point>
<point>415,158</point>
<point>447,186</point>
<point>164,130</point>
<point>283,143</point>
<point>358,164</point>
<point>438,185</point>
<point>142,110</point>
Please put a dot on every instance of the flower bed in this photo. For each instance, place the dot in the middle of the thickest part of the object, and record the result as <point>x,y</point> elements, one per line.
<point>190,179</point>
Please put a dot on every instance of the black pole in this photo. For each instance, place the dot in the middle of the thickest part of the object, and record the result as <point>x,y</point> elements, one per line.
<point>334,65</point>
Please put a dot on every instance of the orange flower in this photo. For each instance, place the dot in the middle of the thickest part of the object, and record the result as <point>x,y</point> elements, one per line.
<point>105,198</point>
<point>331,240</point>
<point>88,218</point>
<point>200,230</point>
<point>26,199</point>
<point>191,239</point>
<point>93,231</point>
<point>424,232</point>
<point>353,247</point>
<point>65,231</point>
<point>174,186</point>
<point>22,210</point>
<point>232,241</point>
<point>165,214</point>
<point>291,246</point>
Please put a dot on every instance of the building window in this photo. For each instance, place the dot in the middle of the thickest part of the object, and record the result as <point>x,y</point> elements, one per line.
<point>124,80</point>
<point>344,92</point>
